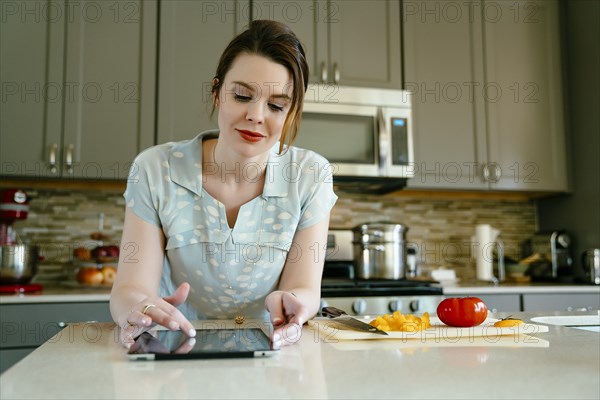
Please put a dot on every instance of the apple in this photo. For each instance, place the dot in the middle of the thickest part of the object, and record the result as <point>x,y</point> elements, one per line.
<point>109,274</point>
<point>90,276</point>
<point>83,254</point>
<point>105,253</point>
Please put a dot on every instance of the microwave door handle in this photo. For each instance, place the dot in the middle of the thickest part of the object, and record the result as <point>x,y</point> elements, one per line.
<point>384,141</point>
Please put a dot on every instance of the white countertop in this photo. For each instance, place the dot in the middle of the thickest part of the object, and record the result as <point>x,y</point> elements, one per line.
<point>85,361</point>
<point>56,293</point>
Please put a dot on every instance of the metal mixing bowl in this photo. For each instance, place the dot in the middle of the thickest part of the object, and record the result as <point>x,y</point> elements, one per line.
<point>18,263</point>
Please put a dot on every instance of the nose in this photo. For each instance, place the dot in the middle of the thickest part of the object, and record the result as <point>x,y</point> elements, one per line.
<point>255,112</point>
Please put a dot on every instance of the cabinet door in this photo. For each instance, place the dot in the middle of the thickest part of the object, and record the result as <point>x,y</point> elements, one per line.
<point>501,302</point>
<point>449,133</point>
<point>524,95</point>
<point>109,77</point>
<point>364,43</point>
<point>193,34</point>
<point>10,357</point>
<point>307,19</point>
<point>561,302</point>
<point>31,65</point>
<point>27,326</point>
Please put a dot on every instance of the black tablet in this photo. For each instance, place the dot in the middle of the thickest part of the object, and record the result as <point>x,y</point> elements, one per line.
<point>208,343</point>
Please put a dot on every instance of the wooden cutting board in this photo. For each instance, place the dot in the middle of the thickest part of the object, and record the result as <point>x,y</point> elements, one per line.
<point>331,329</point>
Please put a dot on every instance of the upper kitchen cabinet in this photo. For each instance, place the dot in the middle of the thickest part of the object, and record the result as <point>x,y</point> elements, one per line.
<point>524,107</point>
<point>350,43</point>
<point>193,34</point>
<point>78,87</point>
<point>488,111</point>
<point>438,63</point>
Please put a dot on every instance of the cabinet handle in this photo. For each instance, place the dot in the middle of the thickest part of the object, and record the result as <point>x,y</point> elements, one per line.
<point>336,73</point>
<point>486,173</point>
<point>497,171</point>
<point>52,158</point>
<point>69,159</point>
<point>323,72</point>
<point>487,176</point>
<point>501,270</point>
<point>579,308</point>
<point>384,140</point>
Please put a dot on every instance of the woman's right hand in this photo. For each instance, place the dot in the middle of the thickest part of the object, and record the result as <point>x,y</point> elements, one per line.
<point>157,310</point>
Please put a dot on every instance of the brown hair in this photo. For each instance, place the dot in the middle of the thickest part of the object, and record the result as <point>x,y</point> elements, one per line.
<point>277,42</point>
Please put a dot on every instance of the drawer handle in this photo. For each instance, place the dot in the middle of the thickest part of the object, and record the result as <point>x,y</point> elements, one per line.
<point>69,159</point>
<point>323,72</point>
<point>52,158</point>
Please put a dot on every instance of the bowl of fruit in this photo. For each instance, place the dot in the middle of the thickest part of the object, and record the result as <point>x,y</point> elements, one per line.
<point>96,266</point>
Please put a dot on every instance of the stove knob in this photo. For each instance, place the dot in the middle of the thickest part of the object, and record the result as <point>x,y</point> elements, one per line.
<point>414,305</point>
<point>395,305</point>
<point>359,306</point>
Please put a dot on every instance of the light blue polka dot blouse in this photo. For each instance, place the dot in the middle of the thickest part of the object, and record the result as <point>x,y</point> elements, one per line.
<point>230,271</point>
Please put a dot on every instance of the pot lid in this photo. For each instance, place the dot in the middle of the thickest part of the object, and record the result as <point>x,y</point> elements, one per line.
<point>378,232</point>
<point>380,226</point>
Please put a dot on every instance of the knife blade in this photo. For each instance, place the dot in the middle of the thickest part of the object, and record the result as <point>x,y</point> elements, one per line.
<point>343,318</point>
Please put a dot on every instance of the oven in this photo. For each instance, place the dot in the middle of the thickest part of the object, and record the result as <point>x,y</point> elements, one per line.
<point>340,288</point>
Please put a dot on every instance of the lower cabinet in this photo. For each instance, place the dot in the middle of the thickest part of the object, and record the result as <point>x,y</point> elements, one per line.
<point>501,302</point>
<point>561,302</point>
<point>533,302</point>
<point>24,327</point>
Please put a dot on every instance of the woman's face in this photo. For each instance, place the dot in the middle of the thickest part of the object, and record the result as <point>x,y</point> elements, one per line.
<point>253,102</point>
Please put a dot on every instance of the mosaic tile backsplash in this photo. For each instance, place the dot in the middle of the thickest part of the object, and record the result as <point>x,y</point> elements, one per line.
<point>441,230</point>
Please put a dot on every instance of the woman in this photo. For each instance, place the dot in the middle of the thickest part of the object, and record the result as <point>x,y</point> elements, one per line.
<point>233,223</point>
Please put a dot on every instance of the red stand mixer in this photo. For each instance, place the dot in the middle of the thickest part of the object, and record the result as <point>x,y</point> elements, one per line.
<point>18,261</point>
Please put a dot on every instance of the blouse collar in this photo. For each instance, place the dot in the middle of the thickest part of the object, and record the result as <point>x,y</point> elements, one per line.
<point>185,166</point>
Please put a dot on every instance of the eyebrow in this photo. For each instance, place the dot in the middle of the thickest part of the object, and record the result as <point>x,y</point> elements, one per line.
<point>253,89</point>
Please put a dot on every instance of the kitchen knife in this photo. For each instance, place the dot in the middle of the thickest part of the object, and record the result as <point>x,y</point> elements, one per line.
<point>340,316</point>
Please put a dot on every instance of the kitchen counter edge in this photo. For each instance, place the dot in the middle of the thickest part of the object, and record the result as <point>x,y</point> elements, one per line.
<point>518,289</point>
<point>58,294</point>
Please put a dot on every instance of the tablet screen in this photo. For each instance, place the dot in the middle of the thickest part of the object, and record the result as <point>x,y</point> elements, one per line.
<point>208,343</point>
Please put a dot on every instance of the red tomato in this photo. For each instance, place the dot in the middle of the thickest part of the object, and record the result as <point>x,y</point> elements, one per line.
<point>462,311</point>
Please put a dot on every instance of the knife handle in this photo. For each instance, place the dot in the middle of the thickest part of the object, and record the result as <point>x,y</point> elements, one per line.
<point>332,312</point>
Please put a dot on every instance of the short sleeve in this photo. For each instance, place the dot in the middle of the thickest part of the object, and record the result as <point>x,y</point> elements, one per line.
<point>139,196</point>
<point>320,197</point>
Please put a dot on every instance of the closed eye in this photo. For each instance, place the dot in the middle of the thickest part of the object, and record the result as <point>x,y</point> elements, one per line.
<point>275,107</point>
<point>241,98</point>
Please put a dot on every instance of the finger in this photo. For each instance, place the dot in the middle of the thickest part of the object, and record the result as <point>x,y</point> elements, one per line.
<point>179,296</point>
<point>300,314</point>
<point>170,317</point>
<point>287,335</point>
<point>274,305</point>
<point>139,319</point>
<point>128,333</point>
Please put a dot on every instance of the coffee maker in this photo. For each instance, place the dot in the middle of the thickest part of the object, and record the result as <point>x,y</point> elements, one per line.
<point>556,263</point>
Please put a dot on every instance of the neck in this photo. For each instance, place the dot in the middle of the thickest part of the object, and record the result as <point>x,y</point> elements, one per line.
<point>230,170</point>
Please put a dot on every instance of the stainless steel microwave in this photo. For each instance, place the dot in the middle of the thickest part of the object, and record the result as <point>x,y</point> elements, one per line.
<point>366,134</point>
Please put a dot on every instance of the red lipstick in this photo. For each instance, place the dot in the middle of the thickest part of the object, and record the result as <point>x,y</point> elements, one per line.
<point>250,136</point>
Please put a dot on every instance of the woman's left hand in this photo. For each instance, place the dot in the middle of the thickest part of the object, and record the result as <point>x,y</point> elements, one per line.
<point>288,314</point>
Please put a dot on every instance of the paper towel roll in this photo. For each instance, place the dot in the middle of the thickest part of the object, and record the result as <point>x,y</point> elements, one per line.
<point>485,241</point>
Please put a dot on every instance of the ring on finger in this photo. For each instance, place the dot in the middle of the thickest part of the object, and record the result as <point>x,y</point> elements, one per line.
<point>147,307</point>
